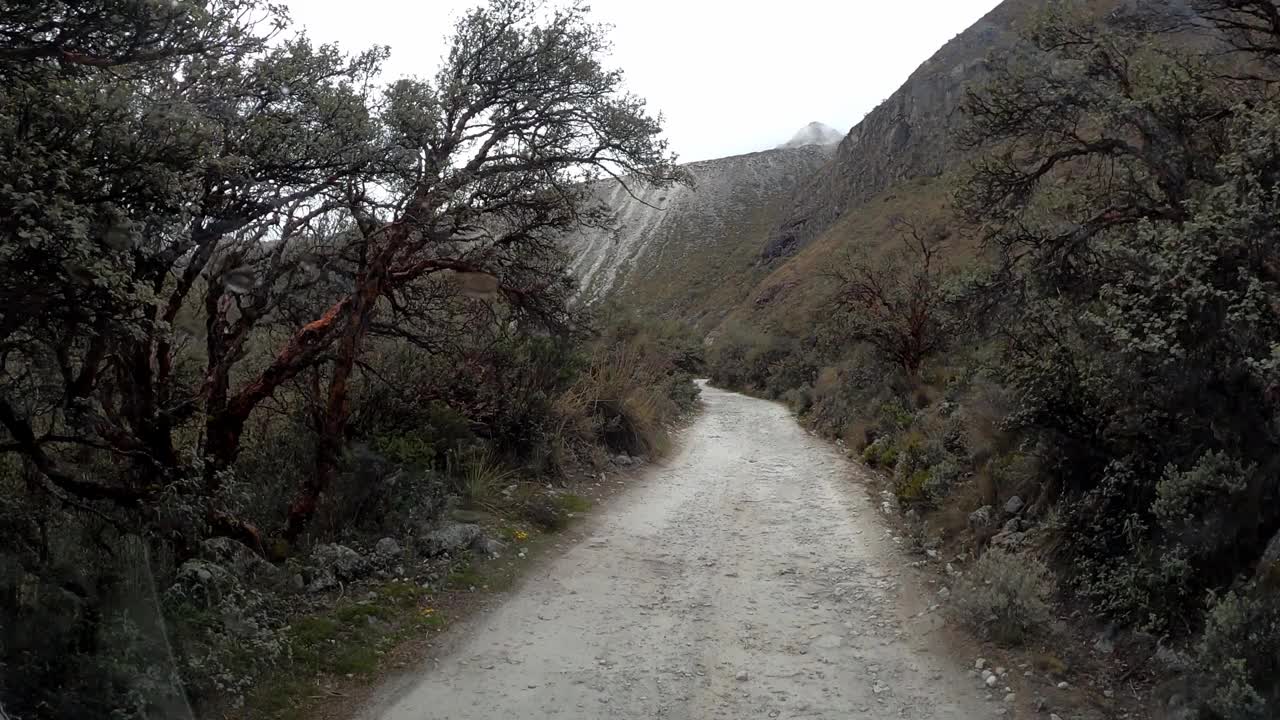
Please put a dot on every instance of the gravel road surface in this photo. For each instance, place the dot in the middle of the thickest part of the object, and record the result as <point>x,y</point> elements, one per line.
<point>747,576</point>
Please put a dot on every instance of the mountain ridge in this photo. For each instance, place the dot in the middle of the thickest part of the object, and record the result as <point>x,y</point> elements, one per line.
<point>815,133</point>
<point>908,135</point>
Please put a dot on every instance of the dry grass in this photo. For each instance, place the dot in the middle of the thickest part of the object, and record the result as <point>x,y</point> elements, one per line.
<point>799,286</point>
<point>620,400</point>
<point>479,479</point>
<point>857,435</point>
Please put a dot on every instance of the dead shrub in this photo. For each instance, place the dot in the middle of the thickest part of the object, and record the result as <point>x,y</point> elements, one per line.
<point>858,434</point>
<point>619,400</point>
<point>985,408</point>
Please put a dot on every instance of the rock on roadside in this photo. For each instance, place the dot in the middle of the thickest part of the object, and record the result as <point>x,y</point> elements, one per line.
<point>456,537</point>
<point>249,567</point>
<point>331,564</point>
<point>1014,505</point>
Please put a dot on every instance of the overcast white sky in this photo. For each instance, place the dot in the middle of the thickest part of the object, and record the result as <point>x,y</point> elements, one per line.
<point>730,76</point>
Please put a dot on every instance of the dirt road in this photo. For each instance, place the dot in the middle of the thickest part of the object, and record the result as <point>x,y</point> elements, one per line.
<point>746,577</point>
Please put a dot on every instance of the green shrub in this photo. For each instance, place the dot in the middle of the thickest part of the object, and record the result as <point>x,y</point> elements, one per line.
<point>895,416</point>
<point>1006,595</point>
<point>374,496</point>
<point>437,432</point>
<point>943,477</point>
<point>743,358</point>
<point>1240,655</point>
<point>914,487</point>
<point>799,399</point>
<point>883,453</point>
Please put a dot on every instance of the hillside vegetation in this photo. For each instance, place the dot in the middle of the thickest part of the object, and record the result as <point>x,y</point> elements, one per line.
<point>1064,345</point>
<point>287,354</point>
<point>282,350</point>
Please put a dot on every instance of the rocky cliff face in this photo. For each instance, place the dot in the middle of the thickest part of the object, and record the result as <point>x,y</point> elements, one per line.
<point>912,134</point>
<point>909,135</point>
<point>691,246</point>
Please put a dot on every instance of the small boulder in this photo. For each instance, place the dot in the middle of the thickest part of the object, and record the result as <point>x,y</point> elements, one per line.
<point>487,546</point>
<point>449,538</point>
<point>546,513</point>
<point>1009,540</point>
<point>1268,571</point>
<point>622,459</point>
<point>248,566</point>
<point>331,564</point>
<point>347,564</point>
<point>204,581</point>
<point>456,538</point>
<point>1014,505</point>
<point>1105,644</point>
<point>1177,698</point>
<point>982,518</point>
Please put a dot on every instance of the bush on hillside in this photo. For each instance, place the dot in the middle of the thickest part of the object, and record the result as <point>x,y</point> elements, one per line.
<point>1006,596</point>
<point>1240,654</point>
<point>753,361</point>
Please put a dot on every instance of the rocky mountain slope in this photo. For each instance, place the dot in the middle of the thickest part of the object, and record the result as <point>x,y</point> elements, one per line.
<point>673,247</point>
<point>908,135</point>
<point>804,208</point>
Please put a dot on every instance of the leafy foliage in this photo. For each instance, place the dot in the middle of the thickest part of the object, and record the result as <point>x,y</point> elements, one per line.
<point>1006,596</point>
<point>1144,306</point>
<point>249,294</point>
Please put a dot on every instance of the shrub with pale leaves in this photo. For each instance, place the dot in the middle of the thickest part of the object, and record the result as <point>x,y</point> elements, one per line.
<point>1006,595</point>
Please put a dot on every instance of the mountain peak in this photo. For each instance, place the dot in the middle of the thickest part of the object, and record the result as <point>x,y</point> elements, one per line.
<point>815,133</point>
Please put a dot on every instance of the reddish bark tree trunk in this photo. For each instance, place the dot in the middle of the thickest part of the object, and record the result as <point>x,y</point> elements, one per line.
<point>333,421</point>
<point>227,415</point>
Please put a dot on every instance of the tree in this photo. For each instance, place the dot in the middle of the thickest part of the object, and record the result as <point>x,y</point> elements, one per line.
<point>896,304</point>
<point>197,213</point>
<point>149,148</point>
<point>1251,27</point>
<point>1085,129</point>
<point>488,169</point>
<point>1131,189</point>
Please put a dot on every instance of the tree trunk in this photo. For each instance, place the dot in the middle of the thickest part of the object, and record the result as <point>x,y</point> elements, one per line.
<point>333,421</point>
